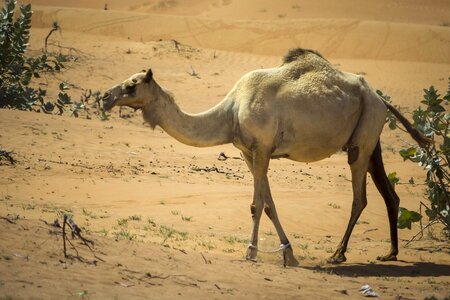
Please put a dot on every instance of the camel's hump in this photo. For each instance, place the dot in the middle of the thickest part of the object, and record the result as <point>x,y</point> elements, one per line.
<point>298,53</point>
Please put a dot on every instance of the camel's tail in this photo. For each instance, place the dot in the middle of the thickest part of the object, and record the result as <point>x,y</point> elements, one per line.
<point>421,139</point>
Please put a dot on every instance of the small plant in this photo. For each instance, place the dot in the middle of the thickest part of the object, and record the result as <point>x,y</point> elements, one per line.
<point>88,213</point>
<point>169,232</point>
<point>304,246</point>
<point>83,294</point>
<point>122,222</point>
<point>29,206</point>
<point>208,244</point>
<point>151,222</point>
<point>124,234</point>
<point>234,239</point>
<point>187,219</point>
<point>135,218</point>
<point>334,205</point>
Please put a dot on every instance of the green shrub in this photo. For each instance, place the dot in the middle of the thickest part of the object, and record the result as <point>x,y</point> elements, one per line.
<point>17,70</point>
<point>432,120</point>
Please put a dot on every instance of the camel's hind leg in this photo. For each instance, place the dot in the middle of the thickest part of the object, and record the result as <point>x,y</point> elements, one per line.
<point>365,137</point>
<point>359,175</point>
<point>376,170</point>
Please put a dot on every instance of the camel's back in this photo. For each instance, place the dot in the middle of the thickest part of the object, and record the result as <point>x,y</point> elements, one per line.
<point>304,76</point>
<point>314,106</point>
<point>304,83</point>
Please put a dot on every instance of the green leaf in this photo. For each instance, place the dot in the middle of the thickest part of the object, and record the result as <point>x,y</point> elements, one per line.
<point>408,153</point>
<point>48,107</point>
<point>64,99</point>
<point>437,108</point>
<point>392,123</point>
<point>63,86</point>
<point>406,218</point>
<point>393,179</point>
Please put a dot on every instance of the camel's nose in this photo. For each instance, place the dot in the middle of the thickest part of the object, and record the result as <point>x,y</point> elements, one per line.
<point>108,102</point>
<point>106,95</point>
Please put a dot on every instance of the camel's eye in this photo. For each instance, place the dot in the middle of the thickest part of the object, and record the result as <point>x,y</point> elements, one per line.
<point>134,80</point>
<point>131,88</point>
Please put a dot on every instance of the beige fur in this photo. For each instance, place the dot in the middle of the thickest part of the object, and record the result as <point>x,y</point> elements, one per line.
<point>304,110</point>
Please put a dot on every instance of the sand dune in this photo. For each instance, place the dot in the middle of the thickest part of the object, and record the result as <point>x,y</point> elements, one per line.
<point>336,38</point>
<point>433,12</point>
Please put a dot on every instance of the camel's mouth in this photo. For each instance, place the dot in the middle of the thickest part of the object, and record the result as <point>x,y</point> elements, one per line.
<point>108,101</point>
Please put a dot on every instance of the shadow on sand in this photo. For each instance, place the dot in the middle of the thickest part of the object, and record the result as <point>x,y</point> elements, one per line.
<point>409,269</point>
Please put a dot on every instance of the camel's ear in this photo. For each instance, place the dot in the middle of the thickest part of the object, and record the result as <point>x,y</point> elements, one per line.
<point>148,76</point>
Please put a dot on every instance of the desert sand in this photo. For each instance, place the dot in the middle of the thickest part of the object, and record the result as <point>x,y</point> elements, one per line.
<point>172,221</point>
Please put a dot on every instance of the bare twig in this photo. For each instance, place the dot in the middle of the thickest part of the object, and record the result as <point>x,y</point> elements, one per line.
<point>370,229</point>
<point>177,45</point>
<point>207,261</point>
<point>223,157</point>
<point>193,73</point>
<point>8,220</point>
<point>8,156</point>
<point>55,27</point>
<point>421,232</point>
<point>64,235</point>
<point>215,169</point>
<point>76,232</point>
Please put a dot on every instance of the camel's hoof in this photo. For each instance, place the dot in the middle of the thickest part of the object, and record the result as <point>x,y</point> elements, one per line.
<point>389,257</point>
<point>288,258</point>
<point>336,259</point>
<point>252,252</point>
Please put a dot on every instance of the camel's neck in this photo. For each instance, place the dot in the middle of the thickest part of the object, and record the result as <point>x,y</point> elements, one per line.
<point>210,128</point>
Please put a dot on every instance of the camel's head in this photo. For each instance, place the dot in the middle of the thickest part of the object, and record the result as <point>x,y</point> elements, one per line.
<point>133,92</point>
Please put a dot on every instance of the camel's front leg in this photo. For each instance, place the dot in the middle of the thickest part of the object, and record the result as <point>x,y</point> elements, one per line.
<point>258,164</point>
<point>262,191</point>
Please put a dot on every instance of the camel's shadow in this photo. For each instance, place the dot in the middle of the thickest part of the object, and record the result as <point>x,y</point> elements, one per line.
<point>409,269</point>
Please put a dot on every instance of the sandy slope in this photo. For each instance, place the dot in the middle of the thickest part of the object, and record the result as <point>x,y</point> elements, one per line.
<point>155,212</point>
<point>337,38</point>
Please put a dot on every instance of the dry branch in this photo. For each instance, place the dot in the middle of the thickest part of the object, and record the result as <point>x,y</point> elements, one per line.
<point>76,233</point>
<point>8,220</point>
<point>8,156</point>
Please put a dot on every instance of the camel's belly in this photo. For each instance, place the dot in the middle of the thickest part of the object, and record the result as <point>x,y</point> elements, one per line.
<point>304,153</point>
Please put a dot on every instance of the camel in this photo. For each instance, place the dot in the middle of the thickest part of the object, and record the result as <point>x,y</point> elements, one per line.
<point>304,110</point>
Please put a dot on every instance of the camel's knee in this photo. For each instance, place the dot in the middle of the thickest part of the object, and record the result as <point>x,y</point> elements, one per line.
<point>255,210</point>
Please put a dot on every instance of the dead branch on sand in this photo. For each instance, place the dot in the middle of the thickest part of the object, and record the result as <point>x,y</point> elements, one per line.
<point>76,233</point>
<point>8,156</point>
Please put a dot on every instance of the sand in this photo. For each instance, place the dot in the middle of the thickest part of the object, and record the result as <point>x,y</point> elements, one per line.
<point>171,221</point>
